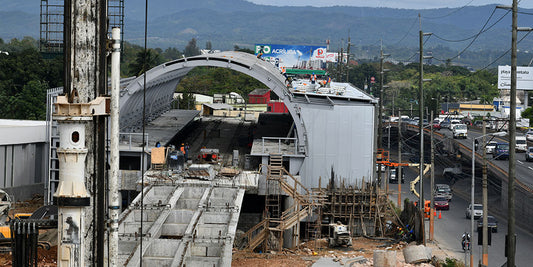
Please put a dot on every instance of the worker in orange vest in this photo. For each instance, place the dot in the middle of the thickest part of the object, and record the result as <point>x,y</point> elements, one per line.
<point>313,78</point>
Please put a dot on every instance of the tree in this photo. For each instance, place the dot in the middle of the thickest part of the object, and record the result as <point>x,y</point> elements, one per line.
<point>191,49</point>
<point>152,59</point>
<point>186,101</point>
<point>171,53</point>
<point>208,45</point>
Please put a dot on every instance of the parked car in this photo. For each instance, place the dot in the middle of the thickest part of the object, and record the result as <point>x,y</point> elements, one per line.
<point>492,223</point>
<point>521,144</point>
<point>529,135</point>
<point>501,151</point>
<point>478,211</point>
<point>441,203</point>
<point>489,148</point>
<point>529,154</point>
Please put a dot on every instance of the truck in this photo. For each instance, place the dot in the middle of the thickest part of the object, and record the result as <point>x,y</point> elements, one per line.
<point>521,144</point>
<point>339,235</point>
<point>460,131</point>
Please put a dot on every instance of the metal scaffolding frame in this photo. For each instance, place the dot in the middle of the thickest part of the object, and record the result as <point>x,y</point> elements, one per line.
<point>52,23</point>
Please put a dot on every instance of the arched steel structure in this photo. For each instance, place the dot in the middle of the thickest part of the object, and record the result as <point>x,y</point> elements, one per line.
<point>162,80</point>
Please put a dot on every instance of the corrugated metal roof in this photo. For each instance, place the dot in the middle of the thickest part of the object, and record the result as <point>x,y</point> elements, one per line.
<point>218,106</point>
<point>259,91</point>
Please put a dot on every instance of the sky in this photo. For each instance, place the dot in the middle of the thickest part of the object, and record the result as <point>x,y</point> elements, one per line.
<point>408,4</point>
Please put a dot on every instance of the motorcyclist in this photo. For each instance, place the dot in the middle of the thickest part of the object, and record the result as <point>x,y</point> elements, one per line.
<point>465,241</point>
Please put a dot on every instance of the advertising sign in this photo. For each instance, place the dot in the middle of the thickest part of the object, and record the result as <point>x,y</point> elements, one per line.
<point>524,78</point>
<point>293,56</point>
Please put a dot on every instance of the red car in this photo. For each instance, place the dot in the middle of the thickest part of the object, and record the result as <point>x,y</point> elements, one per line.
<point>436,125</point>
<point>441,203</point>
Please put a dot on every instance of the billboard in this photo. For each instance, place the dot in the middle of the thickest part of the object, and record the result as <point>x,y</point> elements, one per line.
<point>294,56</point>
<point>524,78</point>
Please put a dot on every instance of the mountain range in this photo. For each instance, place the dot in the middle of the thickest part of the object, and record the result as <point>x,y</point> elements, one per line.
<point>226,23</point>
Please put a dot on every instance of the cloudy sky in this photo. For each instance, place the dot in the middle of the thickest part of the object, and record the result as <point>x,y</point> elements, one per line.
<point>414,4</point>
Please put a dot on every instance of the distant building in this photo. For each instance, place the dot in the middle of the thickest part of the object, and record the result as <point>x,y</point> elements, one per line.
<point>231,98</point>
<point>259,96</point>
<point>276,106</point>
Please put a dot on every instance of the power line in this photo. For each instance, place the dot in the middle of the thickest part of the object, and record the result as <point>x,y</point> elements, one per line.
<point>505,53</point>
<point>408,31</point>
<point>475,35</point>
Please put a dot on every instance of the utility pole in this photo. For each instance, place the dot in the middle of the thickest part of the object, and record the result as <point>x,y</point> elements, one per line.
<point>432,186</point>
<point>485,244</point>
<point>511,238</point>
<point>421,124</point>
<point>348,58</point>
<point>399,159</point>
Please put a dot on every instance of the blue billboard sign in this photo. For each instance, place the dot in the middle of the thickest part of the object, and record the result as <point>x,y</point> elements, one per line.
<point>293,56</point>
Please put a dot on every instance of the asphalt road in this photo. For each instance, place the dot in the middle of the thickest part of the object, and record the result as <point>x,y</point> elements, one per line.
<point>449,229</point>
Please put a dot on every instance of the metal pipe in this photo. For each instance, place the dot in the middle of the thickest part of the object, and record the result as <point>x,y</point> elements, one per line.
<point>114,196</point>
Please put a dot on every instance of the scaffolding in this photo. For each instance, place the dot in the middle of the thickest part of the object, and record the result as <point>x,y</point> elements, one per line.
<point>52,23</point>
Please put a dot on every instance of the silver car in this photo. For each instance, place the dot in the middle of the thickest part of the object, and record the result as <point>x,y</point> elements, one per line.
<point>529,135</point>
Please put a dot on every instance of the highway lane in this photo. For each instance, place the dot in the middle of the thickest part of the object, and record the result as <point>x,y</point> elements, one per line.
<point>449,229</point>
<point>524,170</point>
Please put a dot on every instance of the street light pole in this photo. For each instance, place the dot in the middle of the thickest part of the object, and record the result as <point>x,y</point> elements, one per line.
<point>472,189</point>
<point>432,186</point>
<point>485,244</point>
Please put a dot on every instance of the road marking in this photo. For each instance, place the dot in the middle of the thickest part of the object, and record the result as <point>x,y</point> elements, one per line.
<point>520,162</point>
<point>530,168</point>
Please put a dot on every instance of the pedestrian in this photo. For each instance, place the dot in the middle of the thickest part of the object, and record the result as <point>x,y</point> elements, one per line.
<point>187,147</point>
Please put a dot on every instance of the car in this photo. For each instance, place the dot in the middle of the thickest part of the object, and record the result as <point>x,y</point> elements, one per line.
<point>478,123</point>
<point>436,125</point>
<point>445,124</point>
<point>453,123</point>
<point>441,203</point>
<point>393,176</point>
<point>529,135</point>
<point>460,131</point>
<point>443,190</point>
<point>478,211</point>
<point>489,148</point>
<point>529,154</point>
<point>492,223</point>
<point>501,151</point>
<point>521,144</point>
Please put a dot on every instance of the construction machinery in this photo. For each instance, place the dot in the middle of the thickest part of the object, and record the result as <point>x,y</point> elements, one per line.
<point>340,235</point>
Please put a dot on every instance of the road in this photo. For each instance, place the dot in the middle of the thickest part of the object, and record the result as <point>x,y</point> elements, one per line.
<point>449,229</point>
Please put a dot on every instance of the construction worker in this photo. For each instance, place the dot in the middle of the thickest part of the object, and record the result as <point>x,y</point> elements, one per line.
<point>313,78</point>
<point>182,148</point>
<point>187,147</point>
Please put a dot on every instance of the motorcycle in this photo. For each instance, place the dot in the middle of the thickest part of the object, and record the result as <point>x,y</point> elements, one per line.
<point>465,242</point>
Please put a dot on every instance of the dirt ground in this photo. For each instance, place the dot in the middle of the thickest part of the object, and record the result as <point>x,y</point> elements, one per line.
<point>308,253</point>
<point>45,258</point>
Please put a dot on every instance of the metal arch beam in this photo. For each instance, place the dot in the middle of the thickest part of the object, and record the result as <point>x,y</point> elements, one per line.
<point>162,80</point>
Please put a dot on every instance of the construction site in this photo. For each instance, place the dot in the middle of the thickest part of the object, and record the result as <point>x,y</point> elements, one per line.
<point>135,183</point>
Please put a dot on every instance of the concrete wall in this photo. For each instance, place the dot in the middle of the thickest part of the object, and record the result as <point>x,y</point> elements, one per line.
<point>342,138</point>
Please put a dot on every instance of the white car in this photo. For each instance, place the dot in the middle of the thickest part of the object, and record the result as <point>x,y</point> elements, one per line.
<point>529,135</point>
<point>478,211</point>
<point>460,131</point>
<point>489,148</point>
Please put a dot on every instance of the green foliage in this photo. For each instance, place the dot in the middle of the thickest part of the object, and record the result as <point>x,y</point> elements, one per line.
<point>211,80</point>
<point>24,78</point>
<point>191,49</point>
<point>528,114</point>
<point>450,262</point>
<point>153,58</point>
<point>186,101</point>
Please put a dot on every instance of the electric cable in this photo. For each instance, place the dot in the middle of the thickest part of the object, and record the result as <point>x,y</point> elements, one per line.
<point>407,33</point>
<point>505,53</point>
<point>144,128</point>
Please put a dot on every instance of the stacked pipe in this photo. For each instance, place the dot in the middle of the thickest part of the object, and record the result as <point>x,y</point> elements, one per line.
<point>25,240</point>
